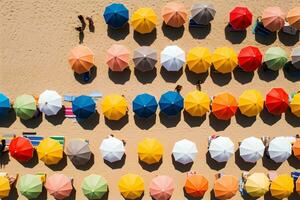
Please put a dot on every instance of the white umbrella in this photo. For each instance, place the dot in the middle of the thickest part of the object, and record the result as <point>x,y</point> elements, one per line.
<point>184,151</point>
<point>112,149</point>
<point>172,58</point>
<point>252,149</point>
<point>280,149</point>
<point>296,57</point>
<point>221,149</point>
<point>50,102</point>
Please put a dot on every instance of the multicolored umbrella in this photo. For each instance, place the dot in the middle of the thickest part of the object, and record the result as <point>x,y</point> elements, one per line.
<point>83,106</point>
<point>224,106</point>
<point>81,59</point>
<point>25,106</point>
<point>203,13</point>
<point>59,186</point>
<point>112,149</point>
<point>277,101</point>
<point>161,187</point>
<point>293,17</point>
<point>4,187</point>
<point>78,151</point>
<point>117,57</point>
<point>273,18</point>
<point>226,187</point>
<point>257,184</point>
<point>221,149</point>
<point>144,105</point>
<point>275,58</point>
<point>184,151</point>
<point>296,149</point>
<point>240,18</point>
<point>171,103</point>
<point>296,57</point>
<point>114,106</point>
<point>116,15</point>
<point>174,14</point>
<point>94,186</point>
<point>50,102</point>
<point>224,60</point>
<point>251,103</point>
<point>50,151</point>
<point>196,185</point>
<point>21,149</point>
<point>144,20</point>
<point>295,105</point>
<point>4,104</point>
<point>30,186</point>
<point>280,149</point>
<point>150,151</point>
<point>198,59</point>
<point>172,58</point>
<point>197,103</point>
<point>131,186</point>
<point>144,58</point>
<point>252,149</point>
<point>250,58</point>
<point>282,186</point>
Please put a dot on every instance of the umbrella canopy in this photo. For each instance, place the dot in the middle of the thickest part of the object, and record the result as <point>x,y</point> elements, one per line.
<point>257,184</point>
<point>252,149</point>
<point>172,58</point>
<point>226,187</point>
<point>224,60</point>
<point>30,186</point>
<point>296,149</point>
<point>150,151</point>
<point>198,59</point>
<point>116,15</point>
<point>197,103</point>
<point>240,18</point>
<point>144,105</point>
<point>144,20</point>
<point>174,14</point>
<point>50,102</point>
<point>273,18</point>
<point>112,149</point>
<point>78,151</point>
<point>224,106</point>
<point>4,104</point>
<point>250,58</point>
<point>203,13</point>
<point>50,151</point>
<point>277,101</point>
<point>275,58</point>
<point>21,149</point>
<point>282,186</point>
<point>293,17</point>
<point>251,103</point>
<point>131,186</point>
<point>117,58</point>
<point>59,186</point>
<point>161,187</point>
<point>25,106</point>
<point>171,103</point>
<point>144,58</point>
<point>280,149</point>
<point>298,185</point>
<point>221,149</point>
<point>184,151</point>
<point>196,185</point>
<point>83,106</point>
<point>296,57</point>
<point>295,105</point>
<point>94,186</point>
<point>114,106</point>
<point>81,59</point>
<point>4,187</point>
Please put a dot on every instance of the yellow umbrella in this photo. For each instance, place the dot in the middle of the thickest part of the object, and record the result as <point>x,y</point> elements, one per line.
<point>150,151</point>
<point>282,186</point>
<point>199,59</point>
<point>295,105</point>
<point>50,151</point>
<point>257,184</point>
<point>4,187</point>
<point>114,107</point>
<point>144,20</point>
<point>251,103</point>
<point>196,103</point>
<point>131,186</point>
<point>224,59</point>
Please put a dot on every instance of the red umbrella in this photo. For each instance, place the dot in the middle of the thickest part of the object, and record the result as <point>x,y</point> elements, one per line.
<point>21,149</point>
<point>240,18</point>
<point>250,58</point>
<point>277,101</point>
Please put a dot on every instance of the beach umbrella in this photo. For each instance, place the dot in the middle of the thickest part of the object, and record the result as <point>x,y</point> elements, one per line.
<point>295,105</point>
<point>83,106</point>
<point>50,151</point>
<point>275,58</point>
<point>252,149</point>
<point>282,186</point>
<point>280,149</point>
<point>221,149</point>
<point>114,106</point>
<point>184,151</point>
<point>293,17</point>
<point>144,58</point>
<point>250,58</point>
<point>78,151</point>
<point>224,106</point>
<point>224,60</point>
<point>131,186</point>
<point>277,101</point>
<point>197,103</point>
<point>150,151</point>
<point>196,185</point>
<point>198,59</point>
<point>144,105</point>
<point>171,103</point>
<point>25,106</point>
<point>240,18</point>
<point>174,14</point>
<point>161,187</point>
<point>257,184</point>
<point>21,149</point>
<point>226,187</point>
<point>81,59</point>
<point>30,186</point>
<point>4,187</point>
<point>117,58</point>
<point>298,185</point>
<point>203,13</point>
<point>4,104</point>
<point>144,20</point>
<point>273,18</point>
<point>112,149</point>
<point>172,58</point>
<point>116,15</point>
<point>296,57</point>
<point>251,103</point>
<point>94,186</point>
<point>59,186</point>
<point>296,149</point>
<point>50,102</point>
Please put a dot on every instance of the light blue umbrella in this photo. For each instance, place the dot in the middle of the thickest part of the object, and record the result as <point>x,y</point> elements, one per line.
<point>144,105</point>
<point>171,103</point>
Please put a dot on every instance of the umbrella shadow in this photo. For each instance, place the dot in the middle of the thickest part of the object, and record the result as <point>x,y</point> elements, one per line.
<point>294,161</point>
<point>241,76</point>
<point>7,120</point>
<point>246,196</point>
<point>33,122</point>
<point>193,78</point>
<point>61,165</point>
<point>269,164</point>
<point>116,165</point>
<point>188,197</point>
<point>269,118</point>
<point>118,34</point>
<point>117,125</point>
<point>171,32</point>
<point>200,32</point>
<point>181,167</point>
<point>58,118</point>
<point>217,124</point>
<point>290,72</point>
<point>169,121</point>
<point>212,195</point>
<point>43,195</point>
<point>120,77</point>
<point>72,195</point>
<point>151,167</point>
<point>266,74</point>
<point>266,40</point>
<point>219,78</point>
<point>294,196</point>
<point>87,165</point>
<point>4,160</point>
<point>243,120</point>
<point>145,123</point>
<point>235,37</point>
<point>213,164</point>
<point>140,198</point>
<point>193,121</point>
<point>145,77</point>
<point>92,76</point>
<point>288,39</point>
<point>13,194</point>
<point>145,39</point>
<point>91,122</point>
<point>106,195</point>
<point>170,76</point>
<point>32,162</point>
<point>243,165</point>
<point>292,119</point>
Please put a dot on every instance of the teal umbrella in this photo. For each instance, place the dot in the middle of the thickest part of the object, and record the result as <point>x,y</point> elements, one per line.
<point>275,58</point>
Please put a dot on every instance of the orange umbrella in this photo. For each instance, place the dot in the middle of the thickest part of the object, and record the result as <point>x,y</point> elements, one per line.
<point>196,185</point>
<point>293,17</point>
<point>273,18</point>
<point>117,57</point>
<point>226,187</point>
<point>81,59</point>
<point>224,106</point>
<point>296,149</point>
<point>298,185</point>
<point>174,14</point>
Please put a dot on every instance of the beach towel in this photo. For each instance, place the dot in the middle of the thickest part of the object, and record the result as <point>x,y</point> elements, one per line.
<point>60,139</point>
<point>34,139</point>
<point>69,98</point>
<point>69,112</point>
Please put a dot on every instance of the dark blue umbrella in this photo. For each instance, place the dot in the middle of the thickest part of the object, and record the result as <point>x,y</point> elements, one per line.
<point>83,106</point>
<point>116,15</point>
<point>171,103</point>
<point>144,105</point>
<point>4,104</point>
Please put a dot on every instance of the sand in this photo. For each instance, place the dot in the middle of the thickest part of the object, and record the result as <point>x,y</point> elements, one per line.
<point>35,40</point>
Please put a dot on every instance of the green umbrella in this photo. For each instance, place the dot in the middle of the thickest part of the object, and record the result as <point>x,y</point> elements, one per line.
<point>94,186</point>
<point>25,106</point>
<point>30,186</point>
<point>275,58</point>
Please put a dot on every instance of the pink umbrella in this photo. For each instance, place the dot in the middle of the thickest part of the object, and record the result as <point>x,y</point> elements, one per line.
<point>273,18</point>
<point>59,186</point>
<point>161,187</point>
<point>117,57</point>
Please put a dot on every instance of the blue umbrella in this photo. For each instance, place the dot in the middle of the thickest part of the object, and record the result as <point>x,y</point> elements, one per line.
<point>171,103</point>
<point>4,104</point>
<point>116,15</point>
<point>83,106</point>
<point>144,105</point>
